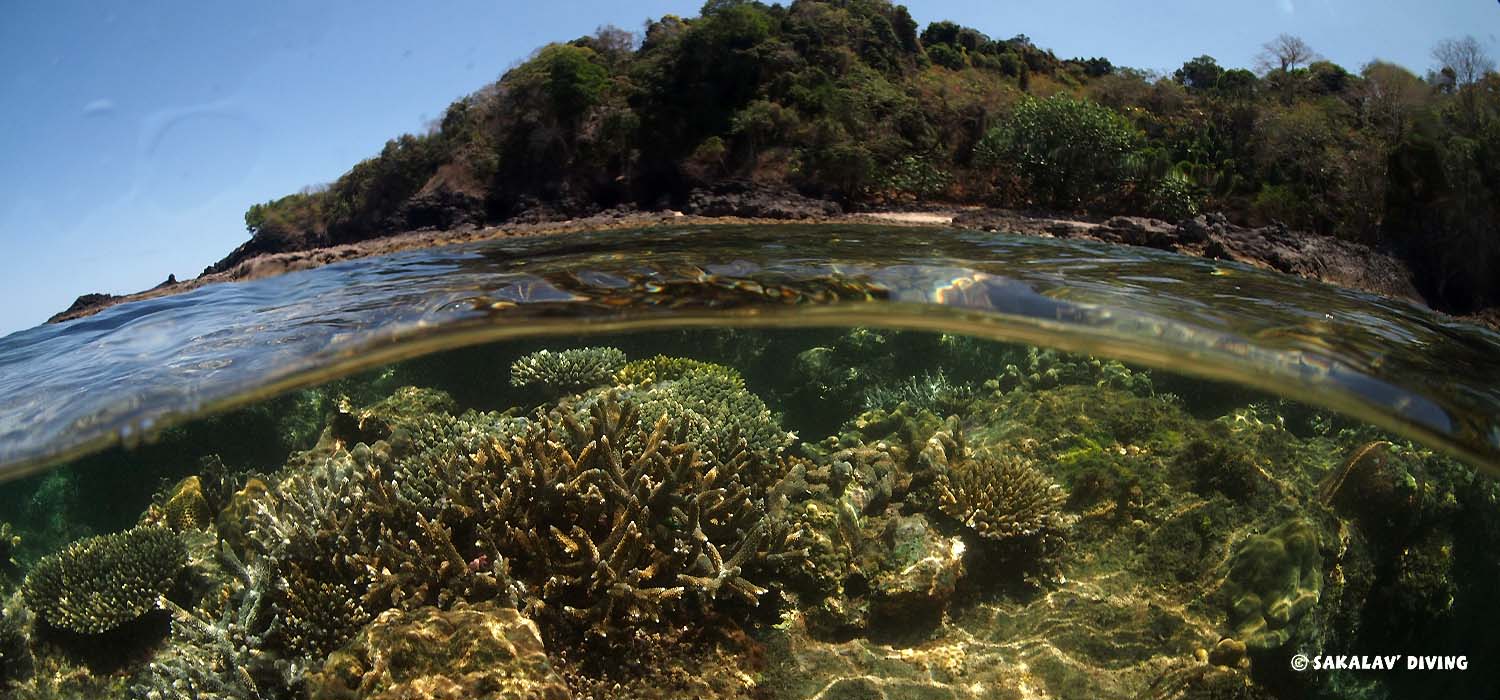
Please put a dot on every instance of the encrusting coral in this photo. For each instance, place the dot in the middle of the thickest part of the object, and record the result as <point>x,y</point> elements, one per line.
<point>186,508</point>
<point>1274,579</point>
<point>99,583</point>
<point>567,370</point>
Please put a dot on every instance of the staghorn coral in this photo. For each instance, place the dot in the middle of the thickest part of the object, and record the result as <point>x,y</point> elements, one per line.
<point>99,583</point>
<point>613,528</point>
<point>998,496</point>
<point>567,370</point>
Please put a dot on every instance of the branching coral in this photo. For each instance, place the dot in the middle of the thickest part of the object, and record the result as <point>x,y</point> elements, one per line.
<point>1044,369</point>
<point>710,400</point>
<point>355,534</point>
<point>567,370</point>
<point>999,496</point>
<point>99,583</point>
<point>613,527</point>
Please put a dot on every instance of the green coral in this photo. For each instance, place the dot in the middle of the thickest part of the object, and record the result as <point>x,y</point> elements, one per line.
<point>1273,580</point>
<point>99,583</point>
<point>9,569</point>
<point>712,403</point>
<point>567,370</point>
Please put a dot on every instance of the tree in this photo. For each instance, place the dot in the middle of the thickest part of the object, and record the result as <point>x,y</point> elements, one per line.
<point>1201,73</point>
<point>1465,57</point>
<point>1071,153</point>
<point>1389,97</point>
<point>1284,53</point>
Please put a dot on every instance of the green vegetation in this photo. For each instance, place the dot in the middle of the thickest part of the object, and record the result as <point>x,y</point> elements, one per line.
<point>97,584</point>
<point>848,100</point>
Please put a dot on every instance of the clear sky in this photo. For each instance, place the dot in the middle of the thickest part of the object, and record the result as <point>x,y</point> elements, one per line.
<point>135,134</point>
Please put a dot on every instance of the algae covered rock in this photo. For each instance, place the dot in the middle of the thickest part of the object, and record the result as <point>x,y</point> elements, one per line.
<point>918,575</point>
<point>567,370</point>
<point>481,652</point>
<point>99,583</point>
<point>1273,580</point>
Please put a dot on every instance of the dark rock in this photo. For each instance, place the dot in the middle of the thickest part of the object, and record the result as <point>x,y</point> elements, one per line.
<point>440,209</point>
<point>747,200</point>
<point>83,304</point>
<point>1310,255</point>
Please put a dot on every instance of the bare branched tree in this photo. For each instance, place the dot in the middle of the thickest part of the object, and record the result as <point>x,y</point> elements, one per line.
<point>1465,57</point>
<point>1284,53</point>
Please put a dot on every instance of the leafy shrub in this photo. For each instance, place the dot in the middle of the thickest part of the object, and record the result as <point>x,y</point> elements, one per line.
<point>1070,152</point>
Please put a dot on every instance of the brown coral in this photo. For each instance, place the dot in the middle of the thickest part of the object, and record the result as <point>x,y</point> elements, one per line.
<point>186,508</point>
<point>483,651</point>
<point>613,528</point>
<point>999,496</point>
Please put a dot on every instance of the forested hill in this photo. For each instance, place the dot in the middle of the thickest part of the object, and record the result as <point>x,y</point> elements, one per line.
<point>850,100</point>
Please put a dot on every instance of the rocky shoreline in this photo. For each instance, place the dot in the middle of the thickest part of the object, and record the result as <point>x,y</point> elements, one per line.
<point>1308,255</point>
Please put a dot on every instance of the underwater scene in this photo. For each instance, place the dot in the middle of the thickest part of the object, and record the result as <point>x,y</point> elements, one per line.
<point>499,486</point>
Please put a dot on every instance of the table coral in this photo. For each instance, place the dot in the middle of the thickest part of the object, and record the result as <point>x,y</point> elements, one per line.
<point>567,370</point>
<point>99,583</point>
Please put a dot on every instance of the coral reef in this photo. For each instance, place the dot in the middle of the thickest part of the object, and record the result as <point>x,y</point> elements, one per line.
<point>999,496</point>
<point>613,528</point>
<point>567,370</point>
<point>97,584</point>
<point>480,652</point>
<point>664,536</point>
<point>1046,369</point>
<point>1273,580</point>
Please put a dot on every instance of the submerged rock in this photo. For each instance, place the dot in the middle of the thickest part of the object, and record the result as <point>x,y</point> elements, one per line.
<point>481,652</point>
<point>917,577</point>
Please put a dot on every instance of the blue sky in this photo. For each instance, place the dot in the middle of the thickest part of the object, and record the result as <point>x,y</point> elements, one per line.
<point>136,135</point>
